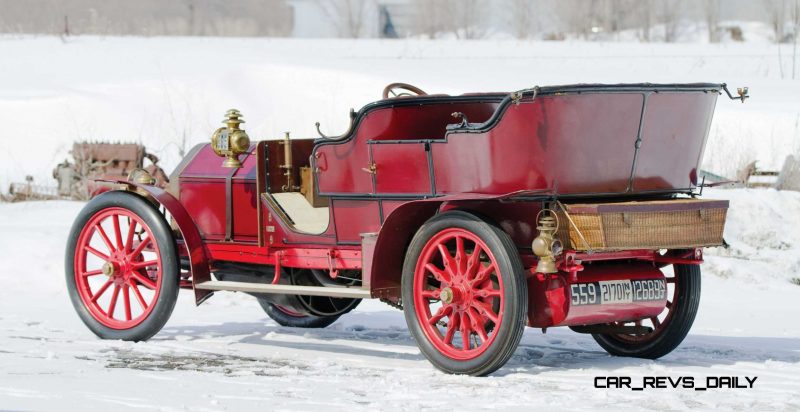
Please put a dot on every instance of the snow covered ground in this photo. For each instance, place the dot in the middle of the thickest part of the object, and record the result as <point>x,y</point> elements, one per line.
<point>227,355</point>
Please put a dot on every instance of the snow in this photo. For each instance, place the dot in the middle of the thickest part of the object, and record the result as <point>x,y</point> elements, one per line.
<point>227,355</point>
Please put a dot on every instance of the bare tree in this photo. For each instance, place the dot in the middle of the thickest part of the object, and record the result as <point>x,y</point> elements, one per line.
<point>777,18</point>
<point>462,18</point>
<point>429,17</point>
<point>576,16</point>
<point>644,12</point>
<point>126,17</point>
<point>348,15</point>
<point>711,13</point>
<point>523,18</point>
<point>795,27</point>
<point>670,16</point>
<point>616,14</point>
<point>469,14</point>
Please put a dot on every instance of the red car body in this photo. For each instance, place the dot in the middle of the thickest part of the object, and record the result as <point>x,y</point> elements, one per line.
<point>498,156</point>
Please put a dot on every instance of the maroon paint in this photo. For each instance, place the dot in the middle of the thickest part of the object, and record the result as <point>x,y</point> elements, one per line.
<point>549,296</point>
<point>205,200</point>
<point>673,121</point>
<point>340,166</point>
<point>403,168</point>
<point>555,142</point>
<point>354,217</point>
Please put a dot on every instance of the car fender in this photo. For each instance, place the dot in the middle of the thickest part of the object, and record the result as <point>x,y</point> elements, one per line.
<point>385,271</point>
<point>198,261</point>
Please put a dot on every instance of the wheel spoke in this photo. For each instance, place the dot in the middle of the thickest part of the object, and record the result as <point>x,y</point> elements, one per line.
<point>143,280</point>
<point>671,280</point>
<point>140,248</point>
<point>430,294</point>
<point>126,300</point>
<point>656,322</point>
<point>449,264</point>
<point>92,273</point>
<point>440,275</point>
<point>102,290</point>
<point>461,255</point>
<point>131,232</point>
<point>669,304</point>
<point>117,232</point>
<point>139,265</point>
<point>106,240</point>
<point>477,324</point>
<point>489,292</point>
<point>474,261</point>
<point>138,295</point>
<point>96,252</point>
<point>486,310</point>
<point>113,304</point>
<point>452,327</point>
<point>465,332</point>
<point>442,312</point>
<point>482,275</point>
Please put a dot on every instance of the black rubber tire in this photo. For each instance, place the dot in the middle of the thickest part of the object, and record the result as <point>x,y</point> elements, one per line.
<point>515,298</point>
<point>302,321</point>
<point>168,294</point>
<point>665,341</point>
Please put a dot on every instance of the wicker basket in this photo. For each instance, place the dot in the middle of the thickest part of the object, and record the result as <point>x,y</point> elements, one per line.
<point>663,224</point>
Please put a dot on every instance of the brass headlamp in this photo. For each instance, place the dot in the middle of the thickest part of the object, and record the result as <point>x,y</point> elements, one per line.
<point>546,246</point>
<point>230,141</point>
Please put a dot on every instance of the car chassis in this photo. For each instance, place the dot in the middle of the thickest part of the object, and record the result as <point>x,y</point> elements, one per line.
<point>477,215</point>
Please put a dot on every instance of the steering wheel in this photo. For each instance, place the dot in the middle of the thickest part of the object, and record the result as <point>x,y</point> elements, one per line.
<point>393,87</point>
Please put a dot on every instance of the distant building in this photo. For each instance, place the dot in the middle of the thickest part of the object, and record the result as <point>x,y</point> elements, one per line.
<point>353,18</point>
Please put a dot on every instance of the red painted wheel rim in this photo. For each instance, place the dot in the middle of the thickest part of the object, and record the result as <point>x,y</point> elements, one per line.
<point>118,241</point>
<point>289,312</point>
<point>457,278</point>
<point>659,322</point>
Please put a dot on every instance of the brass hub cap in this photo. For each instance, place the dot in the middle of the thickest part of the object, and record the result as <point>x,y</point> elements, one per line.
<point>109,269</point>
<point>446,296</point>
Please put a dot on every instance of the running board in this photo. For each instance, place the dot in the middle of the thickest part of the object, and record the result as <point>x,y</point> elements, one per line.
<point>342,292</point>
<point>612,329</point>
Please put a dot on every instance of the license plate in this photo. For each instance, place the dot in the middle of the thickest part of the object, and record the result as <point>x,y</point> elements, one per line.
<point>610,292</point>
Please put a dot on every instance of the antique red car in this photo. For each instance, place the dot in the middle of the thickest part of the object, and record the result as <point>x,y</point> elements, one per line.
<point>476,214</point>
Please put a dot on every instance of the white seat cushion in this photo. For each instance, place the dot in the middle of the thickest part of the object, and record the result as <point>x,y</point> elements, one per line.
<point>306,217</point>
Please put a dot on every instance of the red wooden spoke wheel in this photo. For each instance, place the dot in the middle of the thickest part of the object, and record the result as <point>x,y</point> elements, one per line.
<point>122,267</point>
<point>464,293</point>
<point>670,327</point>
<point>119,282</point>
<point>461,288</point>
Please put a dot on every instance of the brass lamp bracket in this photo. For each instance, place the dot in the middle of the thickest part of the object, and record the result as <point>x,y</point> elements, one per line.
<point>742,93</point>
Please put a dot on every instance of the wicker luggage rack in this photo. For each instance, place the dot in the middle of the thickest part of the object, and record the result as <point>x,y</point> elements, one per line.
<point>661,224</point>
